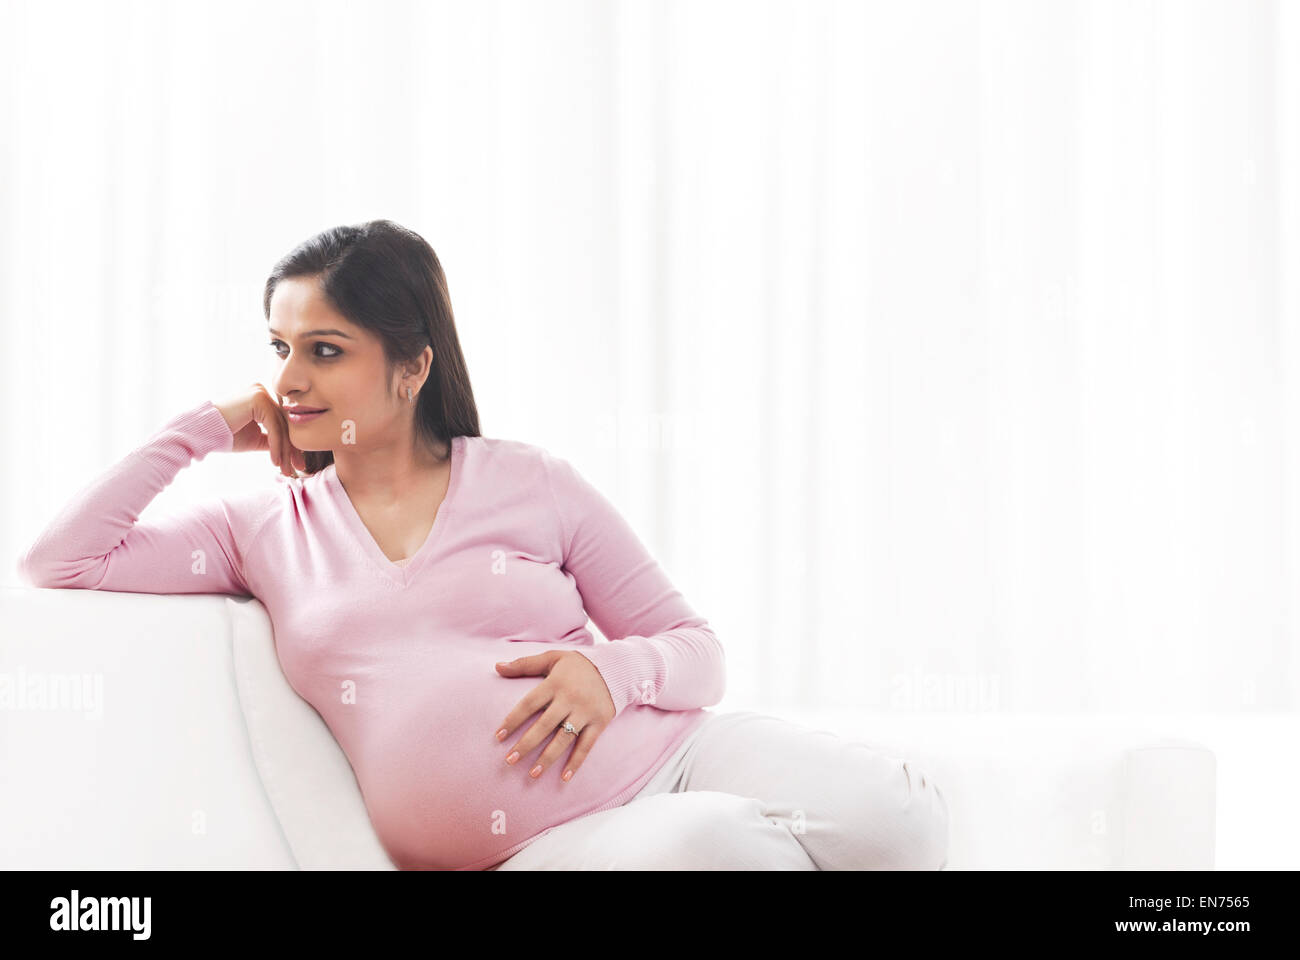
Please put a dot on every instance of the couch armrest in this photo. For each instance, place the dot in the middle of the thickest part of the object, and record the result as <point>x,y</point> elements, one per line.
<point>123,741</point>
<point>1169,806</point>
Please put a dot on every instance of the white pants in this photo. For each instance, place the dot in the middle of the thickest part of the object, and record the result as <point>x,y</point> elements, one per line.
<point>748,791</point>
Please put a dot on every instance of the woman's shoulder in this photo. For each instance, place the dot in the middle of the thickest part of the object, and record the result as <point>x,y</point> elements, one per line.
<point>505,450</point>
<point>510,462</point>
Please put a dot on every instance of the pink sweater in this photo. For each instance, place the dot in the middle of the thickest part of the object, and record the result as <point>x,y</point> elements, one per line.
<point>398,659</point>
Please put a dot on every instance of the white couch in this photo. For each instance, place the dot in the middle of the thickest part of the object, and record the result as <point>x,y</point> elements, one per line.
<point>189,749</point>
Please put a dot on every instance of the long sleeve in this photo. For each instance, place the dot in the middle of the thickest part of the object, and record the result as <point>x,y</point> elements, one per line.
<point>96,543</point>
<point>661,652</point>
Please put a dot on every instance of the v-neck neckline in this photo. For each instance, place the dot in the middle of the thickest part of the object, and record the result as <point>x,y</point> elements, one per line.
<point>399,573</point>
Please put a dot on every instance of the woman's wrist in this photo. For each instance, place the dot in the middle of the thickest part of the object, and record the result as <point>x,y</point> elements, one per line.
<point>237,411</point>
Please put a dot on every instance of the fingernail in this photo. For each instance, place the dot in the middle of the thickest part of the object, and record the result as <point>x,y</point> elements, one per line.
<point>567,774</point>
<point>501,734</point>
<point>535,771</point>
<point>513,757</point>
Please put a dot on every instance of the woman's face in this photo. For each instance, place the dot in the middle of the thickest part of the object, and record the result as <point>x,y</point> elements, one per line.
<point>324,361</point>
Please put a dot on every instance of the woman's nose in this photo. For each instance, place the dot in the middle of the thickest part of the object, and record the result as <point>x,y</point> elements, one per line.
<point>286,380</point>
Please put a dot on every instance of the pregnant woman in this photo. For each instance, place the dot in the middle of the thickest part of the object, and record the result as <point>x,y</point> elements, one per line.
<point>429,590</point>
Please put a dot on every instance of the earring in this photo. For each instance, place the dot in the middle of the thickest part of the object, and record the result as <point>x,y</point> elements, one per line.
<point>410,396</point>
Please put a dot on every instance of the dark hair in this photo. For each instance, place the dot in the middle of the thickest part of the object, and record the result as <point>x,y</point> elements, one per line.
<point>387,279</point>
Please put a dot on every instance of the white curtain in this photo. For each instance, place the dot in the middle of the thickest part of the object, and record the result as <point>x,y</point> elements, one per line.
<point>945,354</point>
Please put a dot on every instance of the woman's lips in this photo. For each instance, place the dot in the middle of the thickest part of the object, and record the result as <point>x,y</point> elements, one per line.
<point>296,417</point>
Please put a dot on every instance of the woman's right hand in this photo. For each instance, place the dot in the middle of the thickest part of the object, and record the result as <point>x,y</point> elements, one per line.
<point>247,412</point>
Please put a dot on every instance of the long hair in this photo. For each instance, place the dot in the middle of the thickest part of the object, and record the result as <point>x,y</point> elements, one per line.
<point>387,279</point>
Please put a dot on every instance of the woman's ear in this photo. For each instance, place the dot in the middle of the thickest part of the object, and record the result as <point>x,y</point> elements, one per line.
<point>419,367</point>
<point>413,373</point>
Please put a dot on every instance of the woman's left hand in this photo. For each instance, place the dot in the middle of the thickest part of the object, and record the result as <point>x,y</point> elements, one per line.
<point>573,690</point>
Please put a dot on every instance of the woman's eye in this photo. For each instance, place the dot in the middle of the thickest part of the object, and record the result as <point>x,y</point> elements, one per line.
<point>324,356</point>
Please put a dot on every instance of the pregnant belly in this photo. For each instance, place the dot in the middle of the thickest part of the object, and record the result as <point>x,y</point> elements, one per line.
<point>436,785</point>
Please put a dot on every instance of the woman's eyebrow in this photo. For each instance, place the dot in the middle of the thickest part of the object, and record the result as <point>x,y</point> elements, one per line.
<point>316,333</point>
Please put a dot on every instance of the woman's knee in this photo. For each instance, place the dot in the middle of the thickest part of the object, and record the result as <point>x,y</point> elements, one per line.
<point>922,823</point>
<point>903,822</point>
